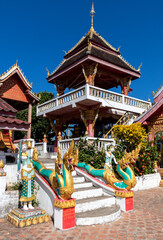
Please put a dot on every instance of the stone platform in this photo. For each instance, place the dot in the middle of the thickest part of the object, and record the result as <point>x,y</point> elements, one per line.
<point>21,218</point>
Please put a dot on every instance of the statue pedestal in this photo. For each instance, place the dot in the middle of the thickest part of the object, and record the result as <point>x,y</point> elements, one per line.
<point>21,218</point>
<point>64,214</point>
<point>2,183</point>
<point>126,204</point>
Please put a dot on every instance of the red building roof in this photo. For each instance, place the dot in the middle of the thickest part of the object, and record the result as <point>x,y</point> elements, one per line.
<point>8,118</point>
<point>4,106</point>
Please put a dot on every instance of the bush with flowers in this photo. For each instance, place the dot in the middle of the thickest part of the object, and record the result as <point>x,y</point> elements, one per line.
<point>146,161</point>
<point>89,153</point>
<point>129,137</point>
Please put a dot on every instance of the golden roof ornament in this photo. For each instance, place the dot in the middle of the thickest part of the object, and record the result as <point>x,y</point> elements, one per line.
<point>139,67</point>
<point>92,14</point>
<point>47,72</point>
<point>153,93</point>
<point>118,48</point>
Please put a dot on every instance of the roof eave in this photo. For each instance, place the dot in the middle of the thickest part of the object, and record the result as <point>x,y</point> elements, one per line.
<point>97,60</point>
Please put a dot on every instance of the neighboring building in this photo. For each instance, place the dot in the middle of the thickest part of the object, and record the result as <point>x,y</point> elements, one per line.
<point>152,119</point>
<point>15,95</point>
<point>90,68</point>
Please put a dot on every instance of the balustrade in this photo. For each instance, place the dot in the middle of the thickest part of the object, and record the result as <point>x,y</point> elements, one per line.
<point>65,144</point>
<point>94,92</point>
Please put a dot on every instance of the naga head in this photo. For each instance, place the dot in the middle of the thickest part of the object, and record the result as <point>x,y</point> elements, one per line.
<point>68,156</point>
<point>130,157</point>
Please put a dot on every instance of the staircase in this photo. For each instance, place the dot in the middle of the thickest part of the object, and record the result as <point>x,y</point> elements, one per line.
<point>93,206</point>
<point>126,119</point>
<point>7,139</point>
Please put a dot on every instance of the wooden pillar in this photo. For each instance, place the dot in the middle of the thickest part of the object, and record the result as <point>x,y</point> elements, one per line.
<point>90,128</point>
<point>89,118</point>
<point>90,73</point>
<point>124,90</point>
<point>29,120</point>
<point>124,87</point>
<point>56,142</point>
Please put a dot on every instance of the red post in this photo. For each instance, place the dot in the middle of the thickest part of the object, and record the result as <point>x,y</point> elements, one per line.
<point>90,128</point>
<point>29,120</point>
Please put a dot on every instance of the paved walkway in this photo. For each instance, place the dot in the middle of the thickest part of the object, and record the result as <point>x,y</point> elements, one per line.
<point>145,222</point>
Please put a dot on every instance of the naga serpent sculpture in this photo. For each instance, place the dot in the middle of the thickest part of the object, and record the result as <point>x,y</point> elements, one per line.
<point>123,169</point>
<point>60,179</point>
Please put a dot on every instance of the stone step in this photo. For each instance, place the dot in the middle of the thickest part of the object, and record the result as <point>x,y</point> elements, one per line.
<point>82,193</point>
<point>89,204</point>
<point>98,216</point>
<point>78,179</point>
<point>49,165</point>
<point>83,185</point>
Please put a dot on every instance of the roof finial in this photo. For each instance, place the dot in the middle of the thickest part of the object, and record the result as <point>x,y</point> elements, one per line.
<point>16,63</point>
<point>92,13</point>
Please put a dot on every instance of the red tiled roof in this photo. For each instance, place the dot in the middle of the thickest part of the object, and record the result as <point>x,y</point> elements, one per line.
<point>4,106</point>
<point>12,120</point>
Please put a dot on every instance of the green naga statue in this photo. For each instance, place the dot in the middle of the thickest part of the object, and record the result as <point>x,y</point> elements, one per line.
<point>60,179</point>
<point>123,169</point>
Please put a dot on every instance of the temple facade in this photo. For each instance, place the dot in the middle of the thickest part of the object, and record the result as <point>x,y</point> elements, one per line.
<point>89,70</point>
<point>15,95</point>
<point>152,120</point>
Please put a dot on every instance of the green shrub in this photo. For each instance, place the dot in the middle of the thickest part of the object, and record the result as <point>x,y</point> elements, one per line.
<point>145,163</point>
<point>89,153</point>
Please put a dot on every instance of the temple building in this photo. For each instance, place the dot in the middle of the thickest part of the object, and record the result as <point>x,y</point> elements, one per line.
<point>152,120</point>
<point>15,95</point>
<point>90,69</point>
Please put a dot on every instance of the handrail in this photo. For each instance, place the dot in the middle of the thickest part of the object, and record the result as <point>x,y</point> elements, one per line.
<point>115,125</point>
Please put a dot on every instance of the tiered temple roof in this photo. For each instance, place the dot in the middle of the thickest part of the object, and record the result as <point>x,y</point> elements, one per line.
<point>93,49</point>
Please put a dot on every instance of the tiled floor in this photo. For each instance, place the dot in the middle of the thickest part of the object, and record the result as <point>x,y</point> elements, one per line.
<point>145,222</point>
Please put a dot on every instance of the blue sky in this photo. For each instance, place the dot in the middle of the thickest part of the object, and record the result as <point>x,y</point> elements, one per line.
<point>36,33</point>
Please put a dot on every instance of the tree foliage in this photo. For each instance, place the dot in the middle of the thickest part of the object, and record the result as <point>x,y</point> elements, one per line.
<point>40,126</point>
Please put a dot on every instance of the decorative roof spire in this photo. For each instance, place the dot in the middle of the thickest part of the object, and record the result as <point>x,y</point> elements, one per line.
<point>92,13</point>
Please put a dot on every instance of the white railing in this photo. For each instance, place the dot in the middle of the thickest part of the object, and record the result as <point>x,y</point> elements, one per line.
<point>50,148</point>
<point>65,144</point>
<point>47,105</point>
<point>71,96</point>
<point>105,94</point>
<point>136,102</point>
<point>96,94</point>
<point>117,97</point>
